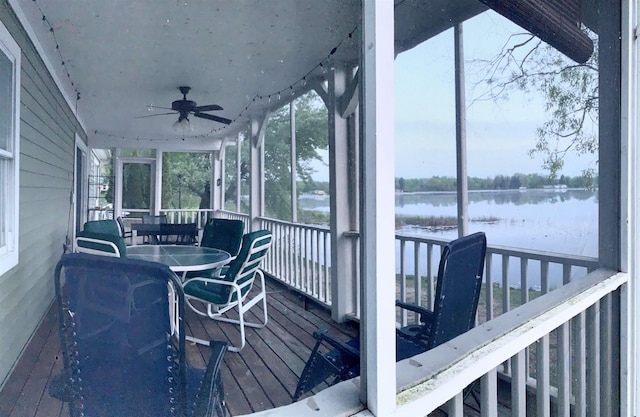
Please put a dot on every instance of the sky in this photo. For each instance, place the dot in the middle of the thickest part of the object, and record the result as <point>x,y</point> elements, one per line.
<point>499,134</point>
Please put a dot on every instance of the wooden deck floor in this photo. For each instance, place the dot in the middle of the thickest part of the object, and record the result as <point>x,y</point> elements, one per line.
<point>262,376</point>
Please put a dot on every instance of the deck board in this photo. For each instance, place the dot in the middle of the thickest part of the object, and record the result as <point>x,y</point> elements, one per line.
<point>262,376</point>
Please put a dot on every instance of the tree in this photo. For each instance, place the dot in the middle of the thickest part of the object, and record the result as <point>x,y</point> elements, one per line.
<point>570,92</point>
<point>311,135</point>
<point>186,180</point>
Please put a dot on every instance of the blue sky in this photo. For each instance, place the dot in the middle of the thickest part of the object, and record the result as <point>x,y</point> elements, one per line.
<point>499,134</point>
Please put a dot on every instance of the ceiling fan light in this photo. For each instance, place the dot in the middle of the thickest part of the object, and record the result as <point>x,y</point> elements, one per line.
<point>183,126</point>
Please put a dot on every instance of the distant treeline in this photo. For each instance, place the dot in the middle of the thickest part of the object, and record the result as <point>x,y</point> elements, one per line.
<point>499,182</point>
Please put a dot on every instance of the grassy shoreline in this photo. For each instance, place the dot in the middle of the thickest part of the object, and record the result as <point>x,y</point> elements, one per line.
<point>424,222</point>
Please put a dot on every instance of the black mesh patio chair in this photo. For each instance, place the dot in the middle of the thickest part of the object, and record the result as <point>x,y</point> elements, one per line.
<point>178,234</point>
<point>456,302</point>
<point>122,355</point>
<point>151,219</point>
<point>126,234</point>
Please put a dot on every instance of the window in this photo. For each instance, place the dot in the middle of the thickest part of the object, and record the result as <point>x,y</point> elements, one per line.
<point>9,148</point>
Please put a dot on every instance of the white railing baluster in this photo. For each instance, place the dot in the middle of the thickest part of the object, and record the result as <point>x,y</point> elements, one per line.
<point>593,360</point>
<point>524,281</point>
<point>544,277</point>
<point>455,406</point>
<point>606,352</point>
<point>430,279</point>
<point>489,394</point>
<point>417,282</point>
<point>488,286</point>
<point>580,352</point>
<point>403,283</point>
<point>519,377</point>
<point>506,294</point>
<point>543,393</point>
<point>327,272</point>
<point>564,371</point>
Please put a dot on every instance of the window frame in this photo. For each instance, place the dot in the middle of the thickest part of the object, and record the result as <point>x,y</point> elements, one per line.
<point>10,163</point>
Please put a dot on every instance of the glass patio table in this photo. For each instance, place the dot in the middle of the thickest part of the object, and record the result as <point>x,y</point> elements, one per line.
<point>181,258</point>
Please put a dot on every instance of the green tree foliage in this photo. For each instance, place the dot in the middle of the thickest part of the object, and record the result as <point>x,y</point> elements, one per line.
<point>186,180</point>
<point>311,136</point>
<point>499,182</point>
<point>569,90</point>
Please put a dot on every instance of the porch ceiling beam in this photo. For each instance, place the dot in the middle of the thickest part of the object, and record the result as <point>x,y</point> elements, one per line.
<point>322,89</point>
<point>349,99</point>
<point>259,127</point>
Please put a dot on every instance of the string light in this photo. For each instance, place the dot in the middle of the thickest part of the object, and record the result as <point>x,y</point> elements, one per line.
<point>322,66</point>
<point>52,31</point>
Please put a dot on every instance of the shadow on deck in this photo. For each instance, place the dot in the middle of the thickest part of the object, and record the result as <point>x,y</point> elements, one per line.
<point>262,376</point>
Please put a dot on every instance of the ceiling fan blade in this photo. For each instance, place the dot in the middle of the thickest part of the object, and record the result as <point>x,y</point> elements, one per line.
<point>212,117</point>
<point>209,107</point>
<point>153,115</point>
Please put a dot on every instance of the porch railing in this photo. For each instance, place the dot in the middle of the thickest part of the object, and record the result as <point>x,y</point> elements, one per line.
<point>549,352</point>
<point>562,351</point>
<point>300,256</point>
<point>198,216</point>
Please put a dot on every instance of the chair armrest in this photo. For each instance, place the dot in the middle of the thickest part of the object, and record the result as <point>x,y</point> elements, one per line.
<point>210,394</point>
<point>343,347</point>
<point>426,316</point>
<point>217,280</point>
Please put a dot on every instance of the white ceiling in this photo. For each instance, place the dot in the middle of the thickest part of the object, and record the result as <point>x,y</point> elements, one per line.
<point>125,55</point>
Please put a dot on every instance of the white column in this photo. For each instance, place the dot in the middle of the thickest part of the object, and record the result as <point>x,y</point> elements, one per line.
<point>294,173</point>
<point>157,184</point>
<point>340,177</point>
<point>378,382</point>
<point>256,194</point>
<point>217,180</point>
<point>630,294</point>
<point>238,172</point>
<point>461,135</point>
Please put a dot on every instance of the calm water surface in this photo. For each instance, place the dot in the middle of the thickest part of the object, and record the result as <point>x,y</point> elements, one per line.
<point>560,221</point>
<point>563,221</point>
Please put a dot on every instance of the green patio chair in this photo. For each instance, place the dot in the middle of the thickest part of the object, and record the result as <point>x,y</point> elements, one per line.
<point>105,244</point>
<point>213,297</point>
<point>224,234</point>
<point>103,226</point>
<point>126,234</point>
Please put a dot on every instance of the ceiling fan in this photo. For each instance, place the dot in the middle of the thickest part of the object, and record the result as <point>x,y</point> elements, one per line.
<point>186,107</point>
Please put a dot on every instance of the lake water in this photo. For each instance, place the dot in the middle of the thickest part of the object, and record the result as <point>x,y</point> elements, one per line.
<point>563,221</point>
<point>560,221</point>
